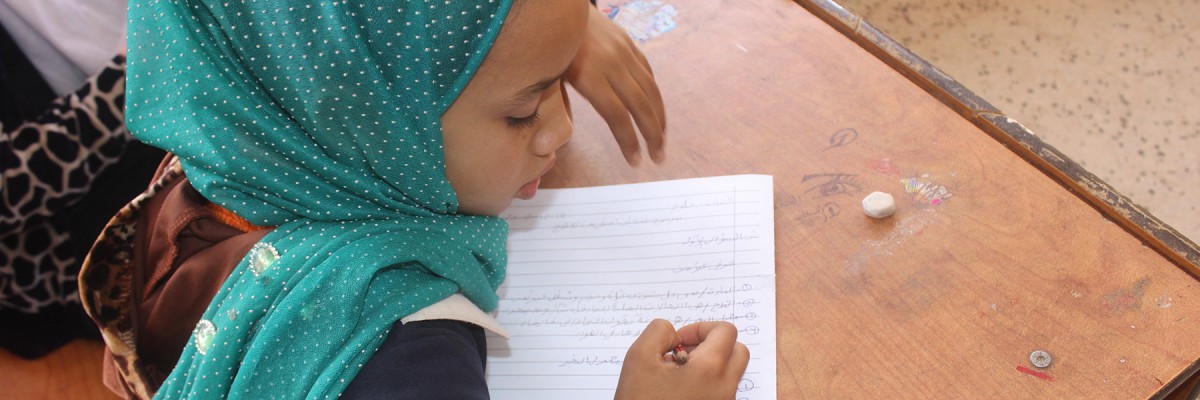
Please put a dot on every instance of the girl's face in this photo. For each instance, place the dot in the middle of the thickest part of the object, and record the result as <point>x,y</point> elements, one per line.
<point>501,134</point>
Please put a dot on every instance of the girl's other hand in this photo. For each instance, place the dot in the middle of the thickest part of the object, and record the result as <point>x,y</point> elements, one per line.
<point>615,77</point>
<point>715,363</point>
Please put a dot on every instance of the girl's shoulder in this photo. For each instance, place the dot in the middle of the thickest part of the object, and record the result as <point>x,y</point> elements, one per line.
<point>425,359</point>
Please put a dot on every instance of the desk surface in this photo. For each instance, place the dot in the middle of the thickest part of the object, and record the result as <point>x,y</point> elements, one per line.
<point>71,372</point>
<point>987,259</point>
<point>991,255</point>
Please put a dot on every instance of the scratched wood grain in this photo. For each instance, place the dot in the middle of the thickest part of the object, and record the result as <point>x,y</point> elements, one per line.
<point>939,301</point>
<point>986,260</point>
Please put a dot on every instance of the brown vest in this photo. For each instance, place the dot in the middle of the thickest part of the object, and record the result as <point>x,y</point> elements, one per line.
<point>152,273</point>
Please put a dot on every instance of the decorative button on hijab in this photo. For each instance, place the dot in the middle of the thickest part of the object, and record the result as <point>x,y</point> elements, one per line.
<point>202,336</point>
<point>322,119</point>
<point>261,256</point>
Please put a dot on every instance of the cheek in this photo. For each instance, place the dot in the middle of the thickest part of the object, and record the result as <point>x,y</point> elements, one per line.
<point>503,169</point>
<point>484,169</point>
<point>490,190</point>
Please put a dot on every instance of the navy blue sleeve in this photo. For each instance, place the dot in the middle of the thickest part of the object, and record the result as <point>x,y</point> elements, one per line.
<point>436,359</point>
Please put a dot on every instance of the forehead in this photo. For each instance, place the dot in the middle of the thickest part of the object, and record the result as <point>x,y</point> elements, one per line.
<point>539,40</point>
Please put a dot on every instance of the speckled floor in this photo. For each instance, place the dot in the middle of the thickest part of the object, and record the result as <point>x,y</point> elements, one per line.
<point>1113,84</point>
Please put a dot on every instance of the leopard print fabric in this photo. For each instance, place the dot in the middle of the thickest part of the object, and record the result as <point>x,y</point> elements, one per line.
<point>107,292</point>
<point>47,165</point>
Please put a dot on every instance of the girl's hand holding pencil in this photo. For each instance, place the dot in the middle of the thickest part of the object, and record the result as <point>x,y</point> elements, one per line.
<point>703,360</point>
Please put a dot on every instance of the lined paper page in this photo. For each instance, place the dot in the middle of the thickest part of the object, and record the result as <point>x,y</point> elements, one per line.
<point>590,267</point>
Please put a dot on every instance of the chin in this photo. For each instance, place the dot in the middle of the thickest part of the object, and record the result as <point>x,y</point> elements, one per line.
<point>492,209</point>
<point>502,208</point>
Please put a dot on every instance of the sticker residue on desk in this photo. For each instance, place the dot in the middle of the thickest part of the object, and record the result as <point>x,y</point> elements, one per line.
<point>1164,301</point>
<point>643,20</point>
<point>908,227</point>
<point>1126,299</point>
<point>926,191</point>
<point>886,166</point>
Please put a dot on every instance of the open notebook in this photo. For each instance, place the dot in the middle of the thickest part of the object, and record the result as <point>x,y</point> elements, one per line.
<point>590,267</point>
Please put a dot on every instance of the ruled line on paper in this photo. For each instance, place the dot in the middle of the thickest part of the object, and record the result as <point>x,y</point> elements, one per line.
<point>629,221</point>
<point>675,269</point>
<point>523,217</point>
<point>606,374</point>
<point>627,258</point>
<point>622,213</point>
<point>624,199</point>
<point>673,281</point>
<point>591,237</point>
<point>589,268</point>
<point>622,348</point>
<point>615,247</point>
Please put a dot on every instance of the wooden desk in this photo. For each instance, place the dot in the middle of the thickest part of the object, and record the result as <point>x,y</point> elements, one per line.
<point>71,372</point>
<point>1023,251</point>
<point>1001,246</point>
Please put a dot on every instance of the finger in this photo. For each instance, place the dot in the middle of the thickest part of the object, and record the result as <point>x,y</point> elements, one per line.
<point>646,81</point>
<point>655,143</point>
<point>645,77</point>
<point>739,358</point>
<point>638,105</point>
<point>610,107</point>
<point>650,86</point>
<point>641,57</point>
<point>657,339</point>
<point>566,96</point>
<point>710,337</point>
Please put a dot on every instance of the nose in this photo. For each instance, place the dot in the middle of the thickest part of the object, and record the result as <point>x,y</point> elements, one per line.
<point>557,128</point>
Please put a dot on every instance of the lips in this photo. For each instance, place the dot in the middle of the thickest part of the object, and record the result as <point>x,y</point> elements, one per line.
<point>528,190</point>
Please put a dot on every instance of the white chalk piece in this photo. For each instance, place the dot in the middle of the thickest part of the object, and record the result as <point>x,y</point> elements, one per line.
<point>879,205</point>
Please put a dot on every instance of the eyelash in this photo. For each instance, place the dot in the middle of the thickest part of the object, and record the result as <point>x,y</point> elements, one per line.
<point>523,122</point>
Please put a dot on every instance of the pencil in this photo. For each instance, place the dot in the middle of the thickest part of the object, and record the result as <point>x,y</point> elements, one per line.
<point>679,354</point>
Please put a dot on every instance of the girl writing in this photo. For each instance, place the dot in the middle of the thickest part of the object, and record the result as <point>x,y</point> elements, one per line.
<point>339,168</point>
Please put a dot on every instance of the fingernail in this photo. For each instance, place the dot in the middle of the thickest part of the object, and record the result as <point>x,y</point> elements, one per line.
<point>659,156</point>
<point>634,159</point>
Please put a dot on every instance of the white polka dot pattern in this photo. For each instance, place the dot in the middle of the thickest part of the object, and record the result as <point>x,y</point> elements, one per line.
<point>321,118</point>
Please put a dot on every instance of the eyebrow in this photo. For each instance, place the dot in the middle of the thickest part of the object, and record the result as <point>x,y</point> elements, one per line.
<point>536,88</point>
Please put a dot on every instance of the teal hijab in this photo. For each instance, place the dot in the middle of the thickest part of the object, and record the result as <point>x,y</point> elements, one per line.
<point>321,118</point>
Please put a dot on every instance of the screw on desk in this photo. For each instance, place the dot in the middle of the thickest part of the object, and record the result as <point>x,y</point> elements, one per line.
<point>1040,359</point>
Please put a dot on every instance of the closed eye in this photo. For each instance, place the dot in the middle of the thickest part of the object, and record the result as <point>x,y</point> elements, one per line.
<point>523,122</point>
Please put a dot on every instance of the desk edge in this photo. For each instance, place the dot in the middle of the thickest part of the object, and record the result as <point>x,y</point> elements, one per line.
<point>1118,208</point>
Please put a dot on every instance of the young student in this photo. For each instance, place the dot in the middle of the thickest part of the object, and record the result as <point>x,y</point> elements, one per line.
<point>339,168</point>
